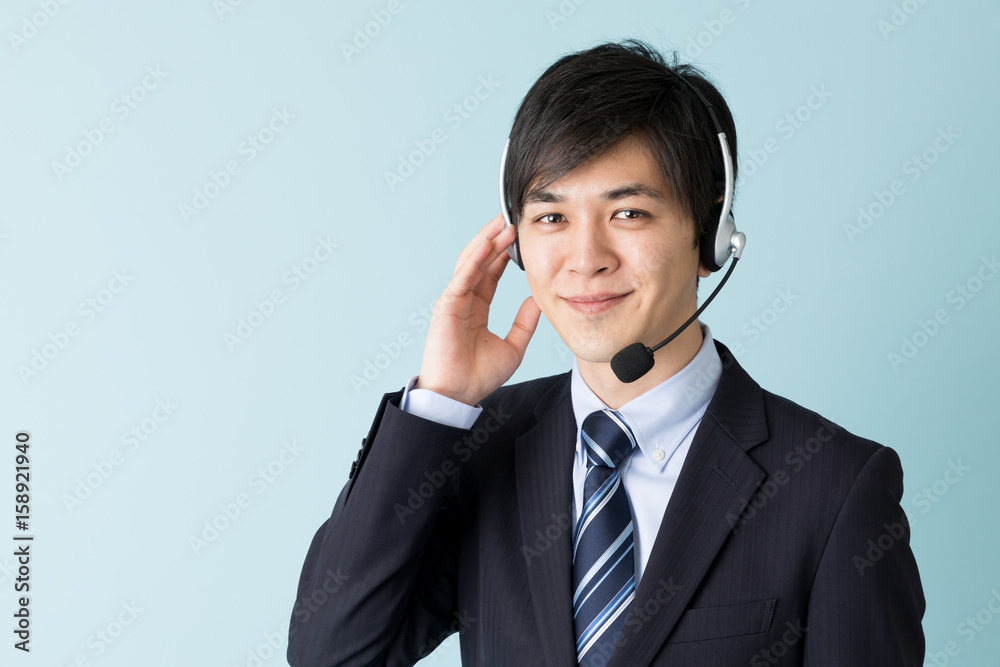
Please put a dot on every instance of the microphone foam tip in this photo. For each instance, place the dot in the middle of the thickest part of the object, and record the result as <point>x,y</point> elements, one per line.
<point>632,362</point>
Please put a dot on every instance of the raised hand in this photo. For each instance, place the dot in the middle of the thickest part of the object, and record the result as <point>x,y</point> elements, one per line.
<point>463,360</point>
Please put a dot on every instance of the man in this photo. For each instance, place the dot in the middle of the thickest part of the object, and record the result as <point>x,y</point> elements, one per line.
<point>686,517</point>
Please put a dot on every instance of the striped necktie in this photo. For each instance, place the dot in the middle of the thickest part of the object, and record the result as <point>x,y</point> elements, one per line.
<point>603,558</point>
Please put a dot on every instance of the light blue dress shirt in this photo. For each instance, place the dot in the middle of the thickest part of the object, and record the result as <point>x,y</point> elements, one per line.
<point>664,421</point>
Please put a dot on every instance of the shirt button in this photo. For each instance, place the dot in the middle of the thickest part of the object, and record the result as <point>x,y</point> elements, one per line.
<point>658,455</point>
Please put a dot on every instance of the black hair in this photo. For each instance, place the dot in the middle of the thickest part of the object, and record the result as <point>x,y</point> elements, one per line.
<point>589,102</point>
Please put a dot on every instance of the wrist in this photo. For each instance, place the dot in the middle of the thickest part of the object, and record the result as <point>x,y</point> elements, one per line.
<point>446,392</point>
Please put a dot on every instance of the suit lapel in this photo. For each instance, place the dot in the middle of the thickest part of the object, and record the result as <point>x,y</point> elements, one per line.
<point>694,527</point>
<point>543,464</point>
<point>715,484</point>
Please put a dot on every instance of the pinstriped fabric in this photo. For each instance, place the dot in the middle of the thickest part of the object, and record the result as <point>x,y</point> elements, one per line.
<point>603,559</point>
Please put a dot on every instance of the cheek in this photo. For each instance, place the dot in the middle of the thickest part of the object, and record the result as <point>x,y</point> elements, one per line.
<point>651,264</point>
<point>667,276</point>
<point>539,284</point>
<point>539,268</point>
<point>654,254</point>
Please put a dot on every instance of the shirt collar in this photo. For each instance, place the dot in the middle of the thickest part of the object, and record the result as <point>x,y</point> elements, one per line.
<point>663,416</point>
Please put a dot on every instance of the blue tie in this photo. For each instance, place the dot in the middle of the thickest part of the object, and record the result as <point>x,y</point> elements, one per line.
<point>603,558</point>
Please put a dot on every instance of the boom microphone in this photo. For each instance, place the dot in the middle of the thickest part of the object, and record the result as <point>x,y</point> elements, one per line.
<point>634,361</point>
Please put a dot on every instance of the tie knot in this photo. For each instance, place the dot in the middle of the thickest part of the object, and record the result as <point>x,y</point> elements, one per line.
<point>607,438</point>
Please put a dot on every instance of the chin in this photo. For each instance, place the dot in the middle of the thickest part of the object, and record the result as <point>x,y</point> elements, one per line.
<point>594,351</point>
<point>598,342</point>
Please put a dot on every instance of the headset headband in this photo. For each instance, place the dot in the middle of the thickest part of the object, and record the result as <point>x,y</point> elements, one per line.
<point>727,240</point>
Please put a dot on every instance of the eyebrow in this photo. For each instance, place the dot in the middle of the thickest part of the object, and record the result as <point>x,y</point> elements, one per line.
<point>621,192</point>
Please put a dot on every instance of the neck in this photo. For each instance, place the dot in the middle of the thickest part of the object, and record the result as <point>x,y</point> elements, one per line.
<point>669,360</point>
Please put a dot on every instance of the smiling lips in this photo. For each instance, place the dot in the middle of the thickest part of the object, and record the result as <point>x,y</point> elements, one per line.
<point>591,304</point>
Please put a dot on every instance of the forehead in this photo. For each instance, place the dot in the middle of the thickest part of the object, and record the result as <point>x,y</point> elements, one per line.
<point>627,169</point>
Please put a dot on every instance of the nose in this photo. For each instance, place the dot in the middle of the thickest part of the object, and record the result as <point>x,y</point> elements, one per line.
<point>590,248</point>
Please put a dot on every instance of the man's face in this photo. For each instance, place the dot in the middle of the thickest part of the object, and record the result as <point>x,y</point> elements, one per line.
<point>609,258</point>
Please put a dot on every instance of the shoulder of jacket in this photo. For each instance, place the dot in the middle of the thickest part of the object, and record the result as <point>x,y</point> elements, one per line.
<point>817,431</point>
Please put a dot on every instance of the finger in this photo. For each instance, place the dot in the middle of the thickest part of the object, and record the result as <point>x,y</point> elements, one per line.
<point>465,277</point>
<point>489,231</point>
<point>524,325</point>
<point>469,275</point>
<point>487,285</point>
<point>492,267</point>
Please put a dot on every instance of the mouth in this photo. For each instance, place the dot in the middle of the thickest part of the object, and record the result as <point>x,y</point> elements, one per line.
<point>592,304</point>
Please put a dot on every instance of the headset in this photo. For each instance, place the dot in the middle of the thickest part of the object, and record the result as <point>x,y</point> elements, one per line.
<point>719,241</point>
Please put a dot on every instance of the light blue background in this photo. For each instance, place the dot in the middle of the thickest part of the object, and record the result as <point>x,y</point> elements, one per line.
<point>162,336</point>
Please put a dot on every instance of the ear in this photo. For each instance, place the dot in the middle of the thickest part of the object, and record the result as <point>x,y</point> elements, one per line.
<point>703,271</point>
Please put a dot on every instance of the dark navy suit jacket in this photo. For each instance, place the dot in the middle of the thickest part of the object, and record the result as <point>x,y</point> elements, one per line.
<point>783,544</point>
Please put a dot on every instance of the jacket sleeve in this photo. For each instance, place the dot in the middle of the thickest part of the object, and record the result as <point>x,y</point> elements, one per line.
<point>378,586</point>
<point>867,603</point>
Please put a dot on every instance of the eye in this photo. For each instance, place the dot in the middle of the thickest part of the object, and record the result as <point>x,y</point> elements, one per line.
<point>550,218</point>
<point>629,214</point>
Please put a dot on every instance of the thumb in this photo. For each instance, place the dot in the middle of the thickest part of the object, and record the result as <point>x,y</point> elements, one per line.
<point>524,325</point>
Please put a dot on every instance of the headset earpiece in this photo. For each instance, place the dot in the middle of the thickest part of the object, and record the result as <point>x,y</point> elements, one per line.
<point>717,240</point>
<point>514,249</point>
